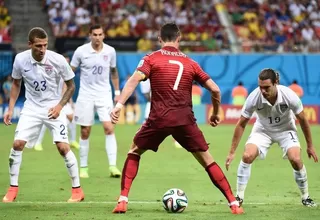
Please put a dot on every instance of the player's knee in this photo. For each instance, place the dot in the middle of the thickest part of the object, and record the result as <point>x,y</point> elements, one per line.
<point>108,131</point>
<point>18,145</point>
<point>296,163</point>
<point>135,150</point>
<point>85,133</point>
<point>248,157</point>
<point>63,148</point>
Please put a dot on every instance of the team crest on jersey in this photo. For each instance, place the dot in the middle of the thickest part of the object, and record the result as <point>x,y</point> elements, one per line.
<point>48,69</point>
<point>105,57</point>
<point>283,107</point>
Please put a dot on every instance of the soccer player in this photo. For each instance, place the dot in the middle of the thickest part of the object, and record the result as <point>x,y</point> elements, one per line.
<point>96,61</point>
<point>171,74</point>
<point>68,110</point>
<point>274,105</point>
<point>42,71</point>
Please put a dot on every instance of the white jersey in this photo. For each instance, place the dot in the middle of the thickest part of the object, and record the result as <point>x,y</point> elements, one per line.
<point>43,79</point>
<point>94,70</point>
<point>145,86</point>
<point>278,117</point>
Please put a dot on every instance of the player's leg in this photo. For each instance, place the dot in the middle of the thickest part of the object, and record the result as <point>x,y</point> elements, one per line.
<point>192,139</point>
<point>146,138</point>
<point>103,108</point>
<point>290,145</point>
<point>84,116</point>
<point>27,131</point>
<point>38,145</point>
<point>59,131</point>
<point>72,132</point>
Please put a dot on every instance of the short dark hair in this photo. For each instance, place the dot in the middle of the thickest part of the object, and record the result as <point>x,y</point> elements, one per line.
<point>269,74</point>
<point>37,32</point>
<point>169,32</point>
<point>94,27</point>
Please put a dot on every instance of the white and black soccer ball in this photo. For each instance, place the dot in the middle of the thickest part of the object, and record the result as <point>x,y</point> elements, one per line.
<point>175,201</point>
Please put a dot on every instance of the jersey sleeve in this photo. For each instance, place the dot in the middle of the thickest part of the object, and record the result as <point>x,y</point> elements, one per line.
<point>16,70</point>
<point>248,107</point>
<point>200,76</point>
<point>113,61</point>
<point>65,70</point>
<point>295,103</point>
<point>145,66</point>
<point>76,58</point>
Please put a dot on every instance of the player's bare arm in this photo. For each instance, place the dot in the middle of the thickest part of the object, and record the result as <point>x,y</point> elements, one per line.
<point>127,91</point>
<point>238,132</point>
<point>14,94</point>
<point>307,134</point>
<point>216,101</point>
<point>55,111</point>
<point>115,82</point>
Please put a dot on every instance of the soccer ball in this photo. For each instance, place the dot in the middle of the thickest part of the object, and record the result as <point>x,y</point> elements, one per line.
<point>175,201</point>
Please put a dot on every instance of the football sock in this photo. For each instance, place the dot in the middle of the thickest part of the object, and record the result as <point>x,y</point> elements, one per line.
<point>41,135</point>
<point>111,149</point>
<point>129,172</point>
<point>15,159</point>
<point>72,166</point>
<point>302,181</point>
<point>220,181</point>
<point>244,172</point>
<point>73,131</point>
<point>83,152</point>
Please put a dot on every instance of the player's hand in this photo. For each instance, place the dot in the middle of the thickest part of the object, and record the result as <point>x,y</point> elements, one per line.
<point>54,112</point>
<point>7,118</point>
<point>312,153</point>
<point>116,98</point>
<point>115,115</point>
<point>214,120</point>
<point>229,159</point>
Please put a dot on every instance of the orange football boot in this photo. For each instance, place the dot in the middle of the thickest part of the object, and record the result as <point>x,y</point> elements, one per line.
<point>121,207</point>
<point>237,210</point>
<point>77,195</point>
<point>11,194</point>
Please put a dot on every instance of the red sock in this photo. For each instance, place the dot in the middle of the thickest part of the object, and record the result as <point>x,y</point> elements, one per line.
<point>220,181</point>
<point>129,172</point>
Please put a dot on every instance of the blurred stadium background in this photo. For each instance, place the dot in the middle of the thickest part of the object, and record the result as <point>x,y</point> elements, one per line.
<point>231,39</point>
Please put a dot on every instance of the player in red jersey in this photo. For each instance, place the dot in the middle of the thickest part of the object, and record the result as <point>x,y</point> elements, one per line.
<point>171,74</point>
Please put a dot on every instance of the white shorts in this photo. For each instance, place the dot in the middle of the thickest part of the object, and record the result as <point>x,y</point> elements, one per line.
<point>67,109</point>
<point>85,111</point>
<point>30,124</point>
<point>264,140</point>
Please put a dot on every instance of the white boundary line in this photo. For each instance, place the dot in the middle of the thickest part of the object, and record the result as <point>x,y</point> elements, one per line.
<point>139,202</point>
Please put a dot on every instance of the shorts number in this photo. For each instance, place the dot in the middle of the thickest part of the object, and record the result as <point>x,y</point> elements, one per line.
<point>42,85</point>
<point>276,120</point>
<point>292,137</point>
<point>97,70</point>
<point>63,128</point>
<point>176,84</point>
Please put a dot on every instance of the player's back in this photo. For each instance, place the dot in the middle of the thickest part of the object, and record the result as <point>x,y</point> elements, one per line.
<point>171,74</point>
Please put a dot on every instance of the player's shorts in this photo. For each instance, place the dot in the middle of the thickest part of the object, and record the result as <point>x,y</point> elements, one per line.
<point>30,124</point>
<point>264,140</point>
<point>189,137</point>
<point>67,109</point>
<point>85,110</point>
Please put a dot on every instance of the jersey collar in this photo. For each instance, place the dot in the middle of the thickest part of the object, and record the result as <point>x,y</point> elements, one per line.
<point>93,50</point>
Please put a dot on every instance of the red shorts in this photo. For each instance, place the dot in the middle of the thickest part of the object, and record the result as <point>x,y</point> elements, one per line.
<point>189,137</point>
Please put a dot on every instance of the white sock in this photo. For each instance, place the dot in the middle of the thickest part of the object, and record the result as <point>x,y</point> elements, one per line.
<point>123,198</point>
<point>244,172</point>
<point>302,181</point>
<point>73,131</point>
<point>72,166</point>
<point>111,148</point>
<point>15,159</point>
<point>83,152</point>
<point>41,135</point>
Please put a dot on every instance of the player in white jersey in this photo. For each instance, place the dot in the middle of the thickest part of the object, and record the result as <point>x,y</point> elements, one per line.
<point>275,106</point>
<point>68,111</point>
<point>42,71</point>
<point>97,61</point>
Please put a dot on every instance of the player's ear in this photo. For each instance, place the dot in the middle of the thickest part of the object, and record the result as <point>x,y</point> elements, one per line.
<point>29,44</point>
<point>160,40</point>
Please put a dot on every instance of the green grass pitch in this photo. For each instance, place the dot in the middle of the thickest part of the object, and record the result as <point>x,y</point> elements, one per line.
<point>45,186</point>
